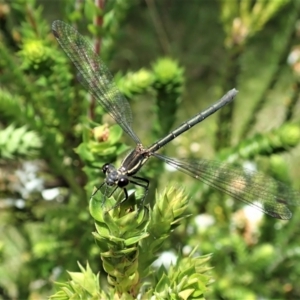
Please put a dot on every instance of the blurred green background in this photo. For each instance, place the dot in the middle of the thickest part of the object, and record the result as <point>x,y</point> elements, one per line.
<point>171,59</point>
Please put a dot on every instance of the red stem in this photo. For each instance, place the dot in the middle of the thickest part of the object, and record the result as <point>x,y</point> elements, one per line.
<point>98,22</point>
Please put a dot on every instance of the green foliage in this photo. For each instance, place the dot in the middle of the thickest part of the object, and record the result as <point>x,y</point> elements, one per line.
<point>129,242</point>
<point>243,19</point>
<point>35,55</point>
<point>118,235</point>
<point>47,116</point>
<point>185,280</point>
<point>18,143</point>
<point>135,83</point>
<point>168,81</point>
<point>275,141</point>
<point>83,285</point>
<point>166,216</point>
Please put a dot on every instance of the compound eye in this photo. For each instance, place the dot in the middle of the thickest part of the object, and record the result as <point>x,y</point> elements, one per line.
<point>123,181</point>
<point>105,168</point>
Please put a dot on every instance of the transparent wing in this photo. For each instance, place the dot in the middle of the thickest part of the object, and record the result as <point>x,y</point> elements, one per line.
<point>253,188</point>
<point>95,76</point>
